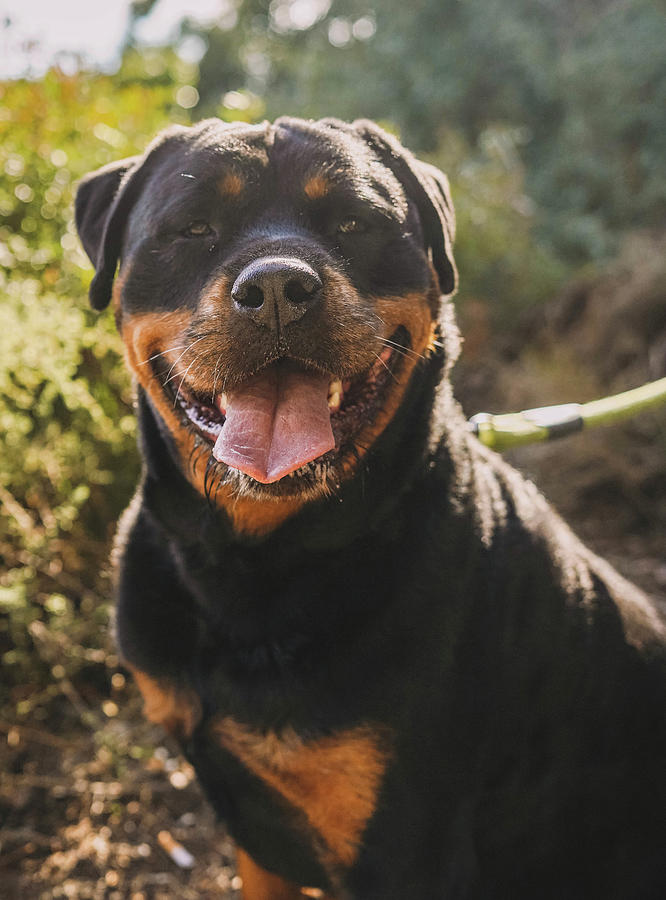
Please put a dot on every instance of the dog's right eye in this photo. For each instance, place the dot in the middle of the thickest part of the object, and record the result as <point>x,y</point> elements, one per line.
<point>197,229</point>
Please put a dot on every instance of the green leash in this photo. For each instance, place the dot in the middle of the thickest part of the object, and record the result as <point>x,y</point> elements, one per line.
<point>547,422</point>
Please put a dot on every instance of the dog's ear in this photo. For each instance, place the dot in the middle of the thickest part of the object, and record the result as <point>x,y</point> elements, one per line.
<point>94,199</point>
<point>104,200</point>
<point>429,189</point>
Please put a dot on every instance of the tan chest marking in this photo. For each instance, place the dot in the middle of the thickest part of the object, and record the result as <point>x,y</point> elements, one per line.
<point>334,781</point>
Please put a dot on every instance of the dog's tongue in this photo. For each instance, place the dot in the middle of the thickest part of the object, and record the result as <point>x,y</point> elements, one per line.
<point>275,423</point>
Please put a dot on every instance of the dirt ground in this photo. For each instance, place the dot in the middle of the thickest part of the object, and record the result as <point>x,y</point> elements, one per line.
<point>93,799</point>
<point>92,809</point>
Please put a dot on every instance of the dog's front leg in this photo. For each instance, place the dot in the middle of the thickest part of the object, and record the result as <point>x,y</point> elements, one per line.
<point>156,631</point>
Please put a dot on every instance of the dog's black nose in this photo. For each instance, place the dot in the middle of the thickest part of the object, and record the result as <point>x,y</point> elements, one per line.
<point>276,290</point>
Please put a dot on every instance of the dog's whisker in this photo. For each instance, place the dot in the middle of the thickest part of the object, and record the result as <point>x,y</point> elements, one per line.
<point>176,361</point>
<point>169,378</point>
<point>386,367</point>
<point>215,377</point>
<point>405,351</point>
<point>161,353</point>
<point>182,380</point>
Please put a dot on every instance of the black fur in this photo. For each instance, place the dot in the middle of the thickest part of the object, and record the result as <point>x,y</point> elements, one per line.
<point>434,594</point>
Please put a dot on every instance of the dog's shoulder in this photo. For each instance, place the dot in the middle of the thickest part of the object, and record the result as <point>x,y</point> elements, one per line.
<point>585,579</point>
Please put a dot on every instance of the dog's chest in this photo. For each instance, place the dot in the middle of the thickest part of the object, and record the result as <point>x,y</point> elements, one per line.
<point>331,783</point>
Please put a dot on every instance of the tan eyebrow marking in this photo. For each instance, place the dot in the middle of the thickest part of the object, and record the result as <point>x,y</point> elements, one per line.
<point>317,187</point>
<point>231,184</point>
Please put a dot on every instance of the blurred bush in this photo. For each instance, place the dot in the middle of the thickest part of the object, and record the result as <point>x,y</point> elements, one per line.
<point>583,80</point>
<point>68,461</point>
<point>501,260</point>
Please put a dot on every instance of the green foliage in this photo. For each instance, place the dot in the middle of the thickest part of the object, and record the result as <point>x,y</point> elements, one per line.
<point>599,167</point>
<point>499,258</point>
<point>583,80</point>
<point>68,461</point>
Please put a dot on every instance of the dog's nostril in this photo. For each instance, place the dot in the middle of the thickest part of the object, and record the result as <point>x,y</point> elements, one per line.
<point>248,295</point>
<point>297,292</point>
<point>254,297</point>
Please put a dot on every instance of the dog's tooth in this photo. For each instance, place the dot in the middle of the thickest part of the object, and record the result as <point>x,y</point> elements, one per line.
<point>334,400</point>
<point>222,403</point>
<point>335,387</point>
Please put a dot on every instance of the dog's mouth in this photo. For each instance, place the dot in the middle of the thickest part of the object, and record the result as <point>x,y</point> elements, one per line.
<point>290,418</point>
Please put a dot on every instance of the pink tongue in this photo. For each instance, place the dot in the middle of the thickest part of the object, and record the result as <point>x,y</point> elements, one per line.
<point>275,423</point>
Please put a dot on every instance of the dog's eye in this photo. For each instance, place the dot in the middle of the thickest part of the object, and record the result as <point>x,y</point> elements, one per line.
<point>197,229</point>
<point>350,225</point>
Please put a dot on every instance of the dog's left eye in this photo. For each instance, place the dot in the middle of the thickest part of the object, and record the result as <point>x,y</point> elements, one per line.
<point>350,225</point>
<point>197,229</point>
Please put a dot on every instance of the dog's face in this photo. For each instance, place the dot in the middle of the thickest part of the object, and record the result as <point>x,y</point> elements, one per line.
<point>278,285</point>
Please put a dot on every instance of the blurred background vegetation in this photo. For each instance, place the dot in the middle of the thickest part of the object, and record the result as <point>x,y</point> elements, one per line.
<point>550,119</point>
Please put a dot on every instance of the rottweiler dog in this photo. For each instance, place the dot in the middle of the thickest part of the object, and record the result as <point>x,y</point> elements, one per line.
<point>397,673</point>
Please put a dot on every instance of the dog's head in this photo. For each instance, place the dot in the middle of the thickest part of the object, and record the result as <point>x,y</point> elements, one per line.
<point>278,285</point>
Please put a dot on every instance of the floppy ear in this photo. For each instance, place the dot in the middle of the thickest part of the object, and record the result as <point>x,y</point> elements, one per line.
<point>429,189</point>
<point>96,198</point>
<point>104,200</point>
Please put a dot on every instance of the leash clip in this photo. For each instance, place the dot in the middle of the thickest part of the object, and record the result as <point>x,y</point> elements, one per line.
<point>566,418</point>
<point>539,424</point>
